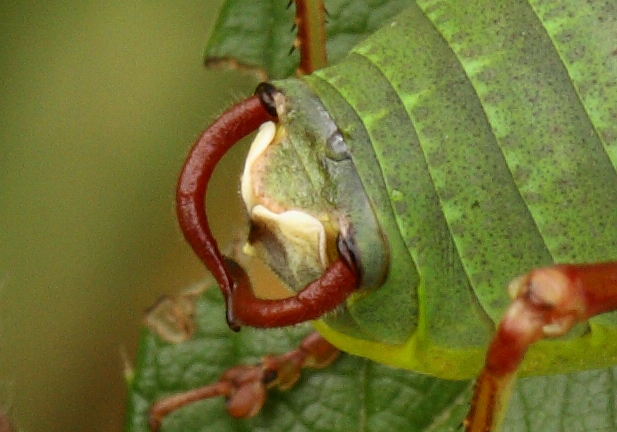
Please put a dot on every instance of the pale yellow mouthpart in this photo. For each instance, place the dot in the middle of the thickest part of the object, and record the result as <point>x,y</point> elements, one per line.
<point>302,235</point>
<point>302,232</point>
<point>262,140</point>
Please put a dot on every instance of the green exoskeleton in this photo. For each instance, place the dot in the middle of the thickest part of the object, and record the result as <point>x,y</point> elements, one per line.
<point>458,148</point>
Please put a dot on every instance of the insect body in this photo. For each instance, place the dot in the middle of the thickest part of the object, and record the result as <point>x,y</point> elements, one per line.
<point>477,140</point>
<point>482,158</point>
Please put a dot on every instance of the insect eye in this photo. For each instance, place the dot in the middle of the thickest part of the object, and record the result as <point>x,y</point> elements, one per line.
<point>336,147</point>
<point>266,93</point>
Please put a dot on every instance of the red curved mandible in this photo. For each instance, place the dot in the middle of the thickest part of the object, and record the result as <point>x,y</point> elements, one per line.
<point>318,297</point>
<point>233,125</point>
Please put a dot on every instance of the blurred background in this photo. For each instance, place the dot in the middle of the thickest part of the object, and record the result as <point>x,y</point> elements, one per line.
<point>99,104</point>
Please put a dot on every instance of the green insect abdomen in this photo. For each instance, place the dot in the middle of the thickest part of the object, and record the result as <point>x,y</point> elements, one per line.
<point>493,128</point>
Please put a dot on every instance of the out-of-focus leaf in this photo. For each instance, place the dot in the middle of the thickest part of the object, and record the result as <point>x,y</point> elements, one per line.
<point>257,34</point>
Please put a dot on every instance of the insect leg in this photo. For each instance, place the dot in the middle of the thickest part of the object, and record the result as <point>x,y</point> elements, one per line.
<point>547,302</point>
<point>245,387</point>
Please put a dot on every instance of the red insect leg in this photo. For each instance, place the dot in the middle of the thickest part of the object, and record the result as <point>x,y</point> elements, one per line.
<point>547,303</point>
<point>245,387</point>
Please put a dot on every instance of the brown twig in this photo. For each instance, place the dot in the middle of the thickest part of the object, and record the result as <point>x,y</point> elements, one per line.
<point>311,39</point>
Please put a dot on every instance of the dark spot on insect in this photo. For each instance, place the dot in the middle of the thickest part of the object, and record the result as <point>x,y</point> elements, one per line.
<point>609,136</point>
<point>457,228</point>
<point>555,129</point>
<point>615,52</point>
<point>413,242</point>
<point>442,19</point>
<point>564,249</point>
<point>521,174</point>
<point>553,230</point>
<point>576,54</point>
<point>394,181</point>
<point>431,132</point>
<point>421,113</point>
<point>565,185</point>
<point>493,97</point>
<point>487,75</point>
<point>556,12</point>
<point>446,194</point>
<point>432,8</point>
<point>349,250</point>
<point>468,53</point>
<point>545,151</point>
<point>437,158</point>
<point>276,250</point>
<point>459,37</point>
<point>532,197</point>
<point>475,204</point>
<point>508,141</point>
<point>269,375</point>
<point>482,277</point>
<point>516,255</point>
<point>565,36</point>
<point>266,92</point>
<point>400,207</point>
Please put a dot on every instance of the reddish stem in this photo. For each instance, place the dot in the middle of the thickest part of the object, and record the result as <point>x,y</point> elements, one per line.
<point>244,387</point>
<point>311,39</point>
<point>547,303</point>
<point>160,409</point>
<point>585,290</point>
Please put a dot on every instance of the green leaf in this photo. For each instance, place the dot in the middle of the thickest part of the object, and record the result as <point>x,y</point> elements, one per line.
<point>352,394</point>
<point>257,34</point>
<point>582,401</point>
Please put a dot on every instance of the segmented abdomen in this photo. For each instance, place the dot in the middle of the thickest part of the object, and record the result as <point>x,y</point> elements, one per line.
<point>494,130</point>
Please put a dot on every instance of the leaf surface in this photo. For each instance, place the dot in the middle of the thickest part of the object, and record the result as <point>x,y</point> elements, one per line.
<point>258,35</point>
<point>353,394</point>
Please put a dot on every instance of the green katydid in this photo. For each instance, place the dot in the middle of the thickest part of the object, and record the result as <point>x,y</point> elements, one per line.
<point>480,153</point>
